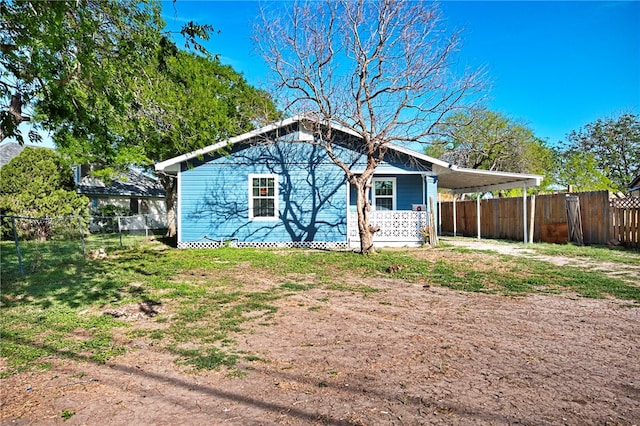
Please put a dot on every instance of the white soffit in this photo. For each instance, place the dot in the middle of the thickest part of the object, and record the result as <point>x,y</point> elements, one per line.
<point>460,180</point>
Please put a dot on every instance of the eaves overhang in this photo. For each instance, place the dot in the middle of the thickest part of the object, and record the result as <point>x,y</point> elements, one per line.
<point>451,177</point>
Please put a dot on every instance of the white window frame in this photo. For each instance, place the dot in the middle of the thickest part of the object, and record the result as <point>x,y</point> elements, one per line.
<point>275,197</point>
<point>393,195</point>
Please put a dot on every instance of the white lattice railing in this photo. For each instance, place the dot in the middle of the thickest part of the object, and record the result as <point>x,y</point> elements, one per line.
<point>398,226</point>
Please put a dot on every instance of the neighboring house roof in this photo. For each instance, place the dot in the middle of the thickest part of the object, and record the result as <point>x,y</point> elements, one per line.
<point>635,184</point>
<point>8,151</point>
<point>457,179</point>
<point>132,184</point>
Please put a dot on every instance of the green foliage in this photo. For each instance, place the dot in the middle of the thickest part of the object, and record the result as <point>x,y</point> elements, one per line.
<point>592,253</point>
<point>39,183</point>
<point>209,359</point>
<point>51,331</point>
<point>488,140</point>
<point>608,149</point>
<point>44,167</point>
<point>113,89</point>
<point>67,414</point>
<point>171,111</point>
<point>186,102</point>
<point>581,170</point>
<point>352,288</point>
<point>111,210</point>
<point>294,286</point>
<point>66,59</point>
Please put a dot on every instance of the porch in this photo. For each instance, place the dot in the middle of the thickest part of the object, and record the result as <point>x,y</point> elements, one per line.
<point>397,228</point>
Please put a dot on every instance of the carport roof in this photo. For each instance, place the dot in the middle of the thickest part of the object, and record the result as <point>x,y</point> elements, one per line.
<point>467,180</point>
<point>460,180</point>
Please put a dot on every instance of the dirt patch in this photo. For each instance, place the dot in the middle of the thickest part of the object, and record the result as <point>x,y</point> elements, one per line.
<point>404,355</point>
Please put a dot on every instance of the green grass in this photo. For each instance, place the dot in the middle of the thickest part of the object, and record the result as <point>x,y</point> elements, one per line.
<point>295,287</point>
<point>29,335</point>
<point>210,297</point>
<point>67,414</point>
<point>593,253</point>
<point>206,359</point>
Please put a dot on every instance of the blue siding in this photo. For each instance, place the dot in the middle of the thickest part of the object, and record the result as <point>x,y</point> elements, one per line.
<point>408,190</point>
<point>402,163</point>
<point>312,192</point>
<point>214,196</point>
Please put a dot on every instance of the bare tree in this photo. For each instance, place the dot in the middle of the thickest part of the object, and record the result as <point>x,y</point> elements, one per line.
<point>382,69</point>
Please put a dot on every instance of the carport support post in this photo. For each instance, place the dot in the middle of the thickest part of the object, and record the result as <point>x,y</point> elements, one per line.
<point>439,213</point>
<point>532,218</point>
<point>478,212</point>
<point>524,213</point>
<point>455,217</point>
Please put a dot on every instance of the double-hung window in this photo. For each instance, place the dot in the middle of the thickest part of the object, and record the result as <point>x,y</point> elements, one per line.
<point>384,193</point>
<point>263,196</point>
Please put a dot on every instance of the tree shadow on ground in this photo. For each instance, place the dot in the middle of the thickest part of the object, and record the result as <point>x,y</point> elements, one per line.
<point>72,281</point>
<point>419,404</point>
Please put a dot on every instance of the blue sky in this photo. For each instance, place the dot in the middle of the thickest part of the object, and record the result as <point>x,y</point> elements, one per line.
<point>555,65</point>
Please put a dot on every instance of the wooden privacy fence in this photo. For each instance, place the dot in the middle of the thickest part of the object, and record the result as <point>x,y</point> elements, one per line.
<point>625,221</point>
<point>600,219</point>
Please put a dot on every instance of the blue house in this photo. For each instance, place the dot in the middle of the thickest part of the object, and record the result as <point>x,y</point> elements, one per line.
<point>274,187</point>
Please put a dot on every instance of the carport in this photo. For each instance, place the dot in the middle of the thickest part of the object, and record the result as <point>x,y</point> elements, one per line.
<point>461,180</point>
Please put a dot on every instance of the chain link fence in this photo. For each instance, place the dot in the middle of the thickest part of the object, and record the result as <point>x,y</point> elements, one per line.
<point>31,244</point>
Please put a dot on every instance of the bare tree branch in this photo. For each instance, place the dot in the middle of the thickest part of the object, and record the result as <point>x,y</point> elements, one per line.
<point>384,69</point>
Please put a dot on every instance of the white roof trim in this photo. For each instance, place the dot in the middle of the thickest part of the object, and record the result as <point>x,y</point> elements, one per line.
<point>172,164</point>
<point>167,165</point>
<point>457,179</point>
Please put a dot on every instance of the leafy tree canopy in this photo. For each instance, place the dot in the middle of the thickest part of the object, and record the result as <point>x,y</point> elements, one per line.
<point>39,183</point>
<point>114,89</point>
<point>59,57</point>
<point>181,102</point>
<point>580,170</point>
<point>489,140</point>
<point>103,74</point>
<point>603,154</point>
<point>64,61</point>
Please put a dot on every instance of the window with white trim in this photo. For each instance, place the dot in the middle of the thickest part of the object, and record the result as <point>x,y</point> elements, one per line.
<point>384,193</point>
<point>263,196</point>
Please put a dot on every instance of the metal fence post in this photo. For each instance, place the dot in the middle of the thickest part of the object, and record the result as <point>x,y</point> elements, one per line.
<point>120,231</point>
<point>84,247</point>
<point>15,238</point>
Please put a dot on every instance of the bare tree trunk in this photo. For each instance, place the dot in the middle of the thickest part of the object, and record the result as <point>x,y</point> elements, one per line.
<point>363,207</point>
<point>171,195</point>
<point>13,119</point>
